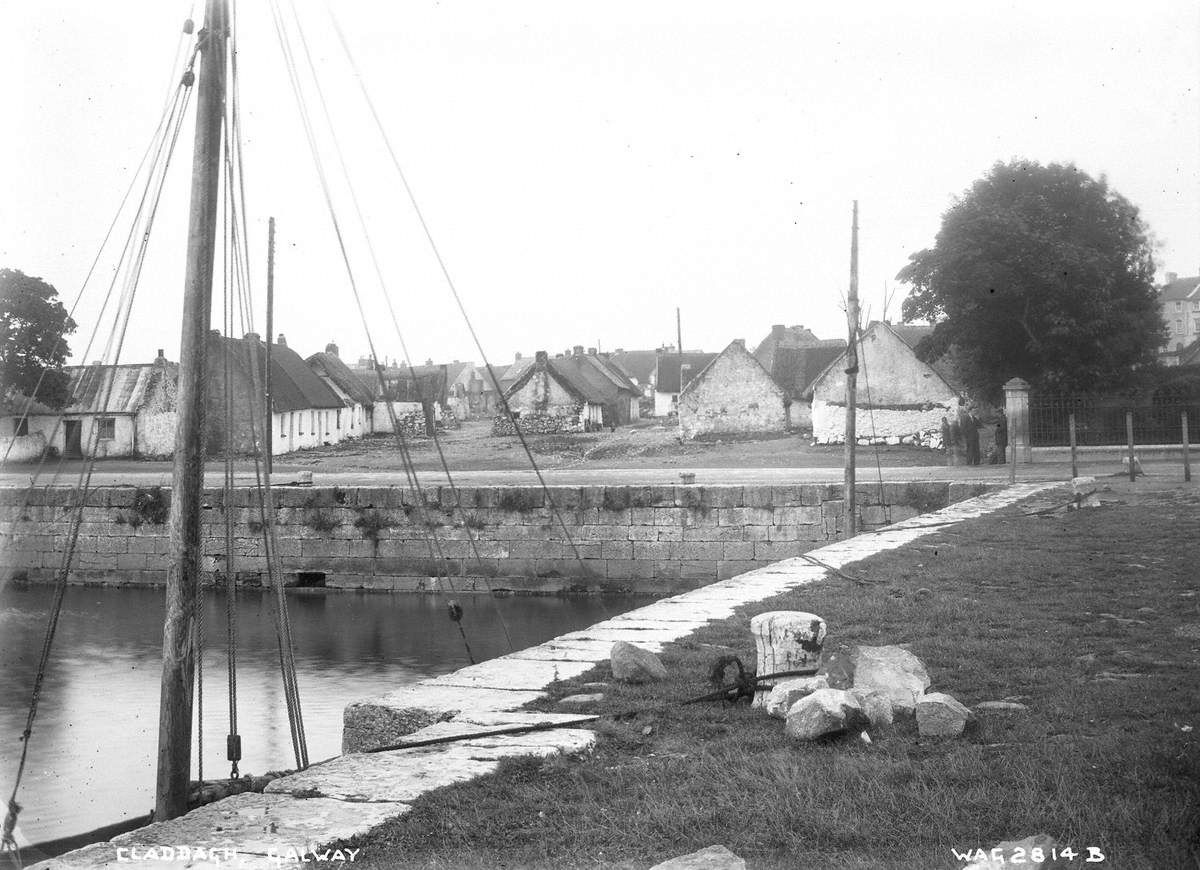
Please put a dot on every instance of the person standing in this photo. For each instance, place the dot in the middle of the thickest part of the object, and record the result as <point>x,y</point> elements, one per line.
<point>971,433</point>
<point>1002,437</point>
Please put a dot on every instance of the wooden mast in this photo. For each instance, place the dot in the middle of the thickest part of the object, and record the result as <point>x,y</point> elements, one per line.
<point>851,379</point>
<point>270,426</point>
<point>183,569</point>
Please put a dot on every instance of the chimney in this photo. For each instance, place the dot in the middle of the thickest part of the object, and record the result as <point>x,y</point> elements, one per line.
<point>685,372</point>
<point>250,336</point>
<point>777,331</point>
<point>619,350</point>
<point>740,341</point>
<point>1171,276</point>
<point>331,348</point>
<point>160,360</point>
<point>591,351</point>
<point>281,340</point>
<point>579,350</point>
<point>540,359</point>
<point>517,357</point>
<point>456,362</point>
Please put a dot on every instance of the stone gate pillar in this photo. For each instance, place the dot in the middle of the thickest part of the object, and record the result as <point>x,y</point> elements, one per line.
<point>1016,408</point>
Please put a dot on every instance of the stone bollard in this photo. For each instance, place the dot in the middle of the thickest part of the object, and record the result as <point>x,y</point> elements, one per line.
<point>1084,490</point>
<point>787,640</point>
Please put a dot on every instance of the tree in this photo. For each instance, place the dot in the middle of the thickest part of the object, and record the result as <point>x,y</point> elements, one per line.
<point>33,326</point>
<point>1038,272</point>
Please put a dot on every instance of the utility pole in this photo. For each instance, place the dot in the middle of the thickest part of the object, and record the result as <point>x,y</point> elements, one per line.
<point>851,379</point>
<point>679,332</point>
<point>183,566</point>
<point>270,338</point>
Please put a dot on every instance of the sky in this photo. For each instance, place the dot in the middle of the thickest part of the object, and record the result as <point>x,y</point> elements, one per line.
<point>585,169</point>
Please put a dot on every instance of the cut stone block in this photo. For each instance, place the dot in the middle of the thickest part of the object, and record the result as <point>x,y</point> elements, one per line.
<point>786,640</point>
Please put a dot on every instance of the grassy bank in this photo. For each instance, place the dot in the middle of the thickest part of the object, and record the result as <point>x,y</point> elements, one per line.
<point>1092,619</point>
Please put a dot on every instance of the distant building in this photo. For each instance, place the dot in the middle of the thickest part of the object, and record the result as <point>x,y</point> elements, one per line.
<point>114,411</point>
<point>305,411</point>
<point>795,356</point>
<point>359,401</point>
<point>672,373</point>
<point>546,400</point>
<point>733,394</point>
<point>640,366</point>
<point>1179,302</point>
<point>900,399</point>
<point>592,373</point>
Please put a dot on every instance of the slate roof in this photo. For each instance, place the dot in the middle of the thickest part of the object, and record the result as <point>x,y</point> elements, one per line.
<point>669,365</point>
<point>1180,289</point>
<point>405,384</point>
<point>294,386</point>
<point>338,372</point>
<point>791,336</point>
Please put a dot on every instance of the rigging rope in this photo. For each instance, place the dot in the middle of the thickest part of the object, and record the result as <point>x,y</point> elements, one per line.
<point>437,442</point>
<point>887,508</point>
<point>113,348</point>
<point>451,285</point>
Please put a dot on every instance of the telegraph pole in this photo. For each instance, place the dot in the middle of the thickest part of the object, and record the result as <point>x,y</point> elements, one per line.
<point>851,379</point>
<point>187,479</point>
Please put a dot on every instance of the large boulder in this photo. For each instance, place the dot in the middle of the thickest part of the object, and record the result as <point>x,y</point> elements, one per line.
<point>712,858</point>
<point>825,712</point>
<point>632,664</point>
<point>788,692</point>
<point>876,705</point>
<point>895,672</point>
<point>939,715</point>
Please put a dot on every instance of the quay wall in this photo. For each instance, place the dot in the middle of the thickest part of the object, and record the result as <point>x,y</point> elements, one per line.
<point>642,539</point>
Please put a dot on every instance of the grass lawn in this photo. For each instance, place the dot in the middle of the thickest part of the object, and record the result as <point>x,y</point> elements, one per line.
<point>1090,618</point>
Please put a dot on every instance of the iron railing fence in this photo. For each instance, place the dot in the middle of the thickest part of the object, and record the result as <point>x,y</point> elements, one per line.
<point>1100,420</point>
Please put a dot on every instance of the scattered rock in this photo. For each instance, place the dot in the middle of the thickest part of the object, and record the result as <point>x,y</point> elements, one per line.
<point>1000,707</point>
<point>895,672</point>
<point>582,699</point>
<point>712,858</point>
<point>877,706</point>
<point>790,691</point>
<point>648,730</point>
<point>838,670</point>
<point>824,712</point>
<point>924,592</point>
<point>1006,855</point>
<point>632,664</point>
<point>939,715</point>
<point>1191,631</point>
<point>865,738</point>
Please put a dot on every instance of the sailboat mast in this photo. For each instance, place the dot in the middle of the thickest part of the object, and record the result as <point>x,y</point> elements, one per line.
<point>187,480</point>
<point>852,380</point>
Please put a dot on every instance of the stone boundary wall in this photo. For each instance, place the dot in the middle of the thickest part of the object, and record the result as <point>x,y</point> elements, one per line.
<point>643,539</point>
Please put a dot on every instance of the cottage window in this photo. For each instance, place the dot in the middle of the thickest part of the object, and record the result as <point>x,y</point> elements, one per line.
<point>1196,305</point>
<point>107,428</point>
<point>1179,327</point>
<point>339,419</point>
<point>1178,306</point>
<point>21,426</point>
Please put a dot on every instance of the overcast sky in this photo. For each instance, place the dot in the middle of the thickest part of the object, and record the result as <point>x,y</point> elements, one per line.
<point>587,168</point>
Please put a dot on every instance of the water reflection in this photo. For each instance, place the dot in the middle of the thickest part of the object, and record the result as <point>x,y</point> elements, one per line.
<point>91,758</point>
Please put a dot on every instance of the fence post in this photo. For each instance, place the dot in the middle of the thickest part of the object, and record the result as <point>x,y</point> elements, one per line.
<point>1016,409</point>
<point>1187,465</point>
<point>1074,464</point>
<point>1129,438</point>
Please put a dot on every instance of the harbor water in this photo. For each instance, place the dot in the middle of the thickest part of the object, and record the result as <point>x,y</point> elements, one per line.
<point>92,753</point>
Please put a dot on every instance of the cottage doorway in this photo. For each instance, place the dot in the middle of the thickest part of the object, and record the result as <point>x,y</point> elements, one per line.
<point>72,439</point>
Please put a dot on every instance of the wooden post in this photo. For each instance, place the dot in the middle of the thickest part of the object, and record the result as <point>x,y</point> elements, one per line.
<point>851,379</point>
<point>183,565</point>
<point>1187,464</point>
<point>679,331</point>
<point>1074,464</point>
<point>1129,437</point>
<point>270,338</point>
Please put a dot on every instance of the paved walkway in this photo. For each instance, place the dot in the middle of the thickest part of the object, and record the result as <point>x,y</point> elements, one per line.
<point>350,794</point>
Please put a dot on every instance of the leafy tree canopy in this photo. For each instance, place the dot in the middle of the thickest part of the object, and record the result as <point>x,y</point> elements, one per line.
<point>33,324</point>
<point>1038,272</point>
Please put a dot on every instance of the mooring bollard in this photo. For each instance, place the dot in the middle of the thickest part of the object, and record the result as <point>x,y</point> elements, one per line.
<point>787,640</point>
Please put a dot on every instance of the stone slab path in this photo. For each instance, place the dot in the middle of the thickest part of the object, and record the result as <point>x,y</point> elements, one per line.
<point>300,815</point>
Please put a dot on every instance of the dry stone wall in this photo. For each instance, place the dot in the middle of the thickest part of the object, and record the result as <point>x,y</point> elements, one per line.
<point>645,539</point>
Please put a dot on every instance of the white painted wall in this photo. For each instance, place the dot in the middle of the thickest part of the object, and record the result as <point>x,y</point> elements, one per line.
<point>733,395</point>
<point>23,448</point>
